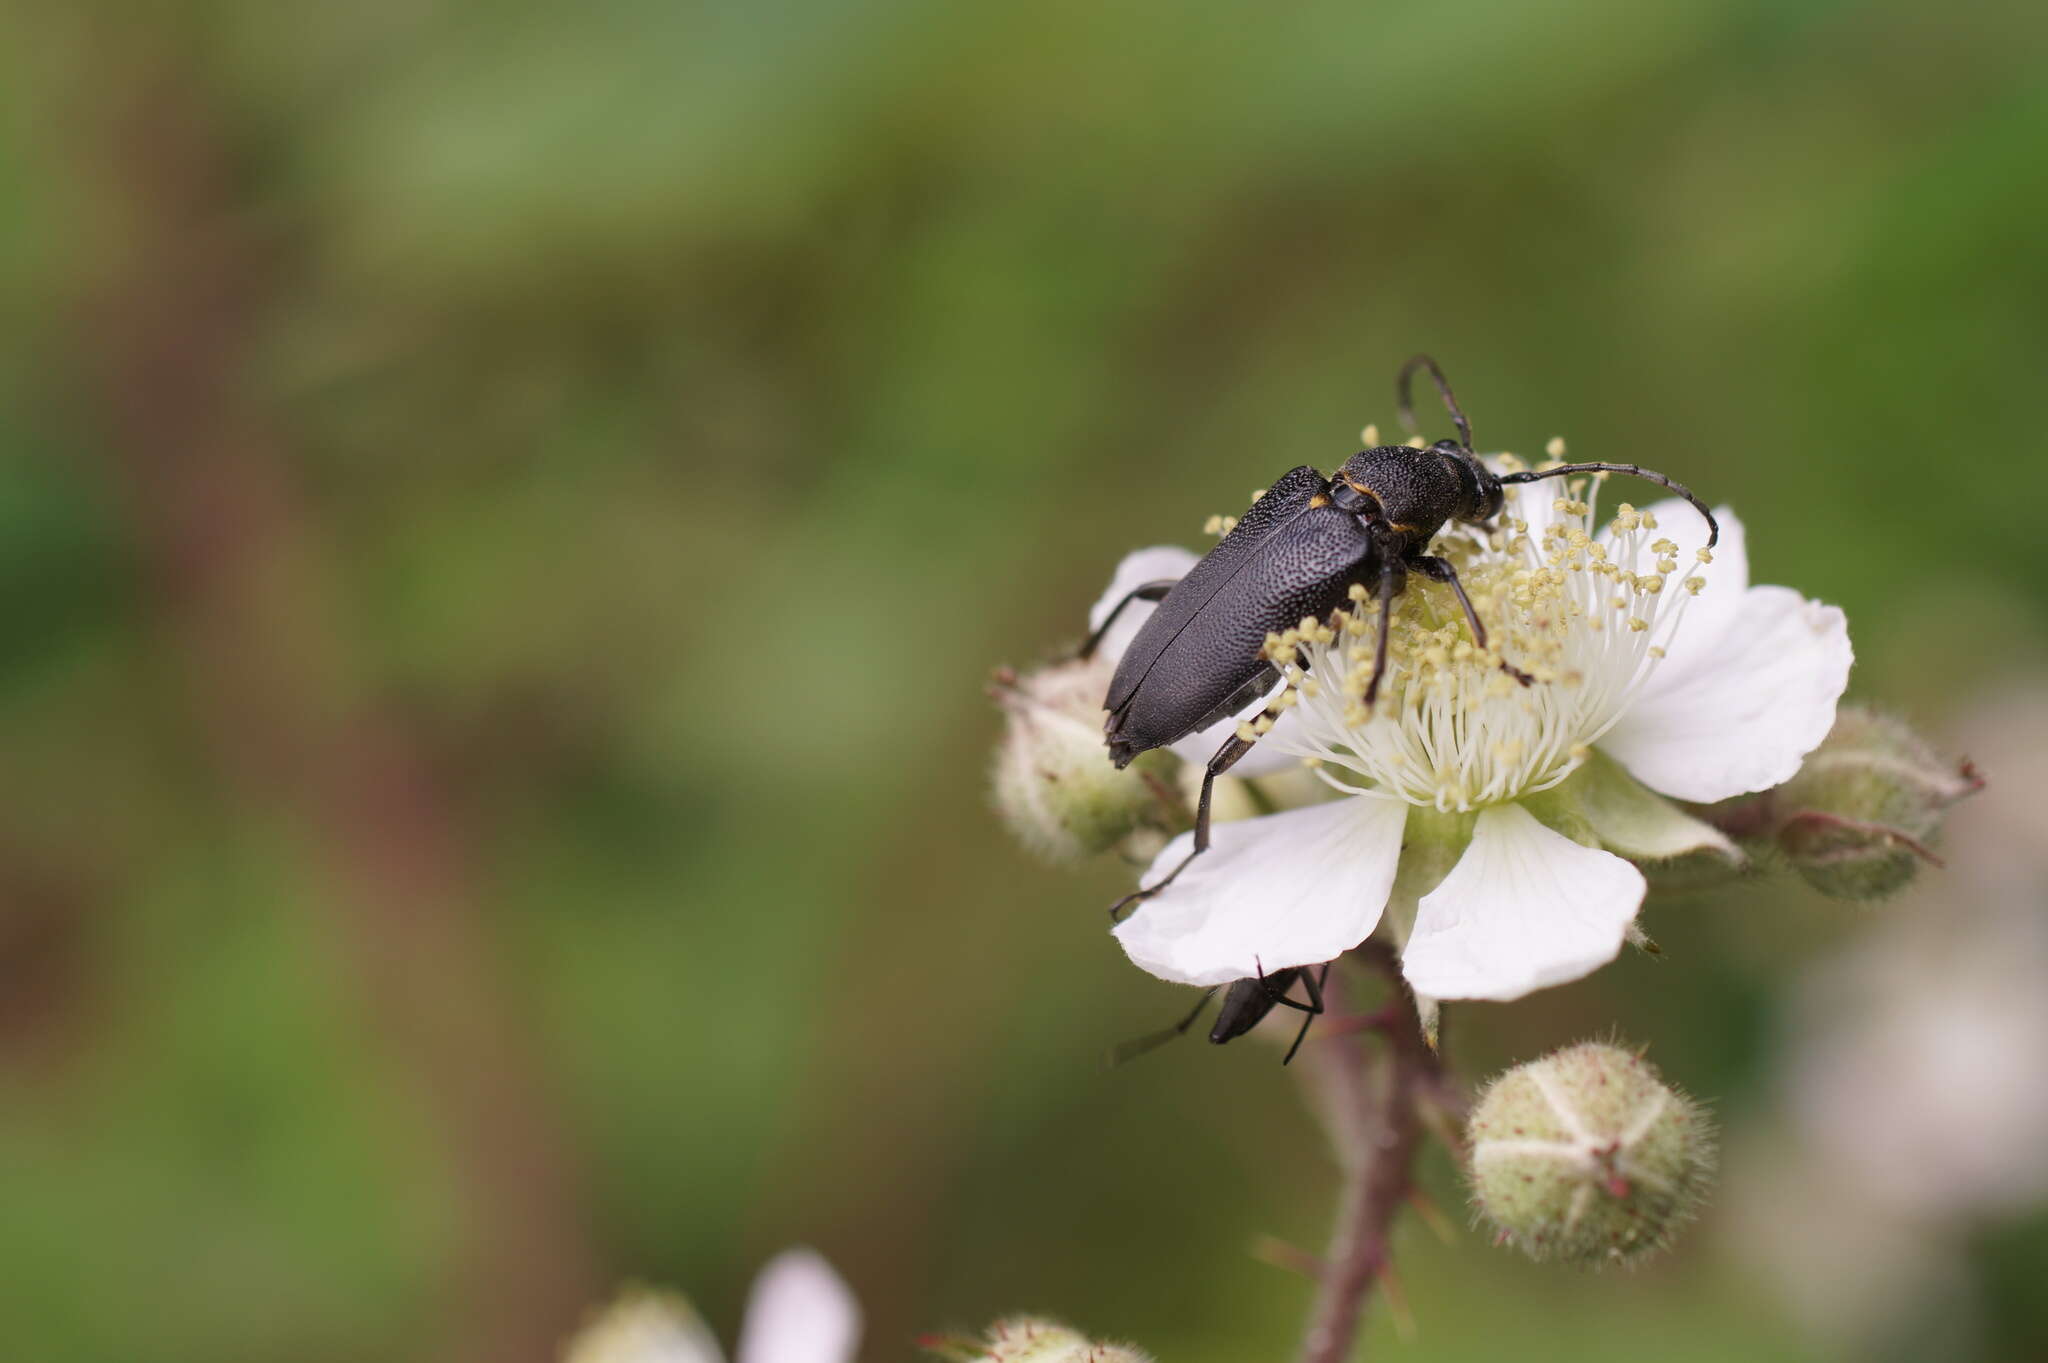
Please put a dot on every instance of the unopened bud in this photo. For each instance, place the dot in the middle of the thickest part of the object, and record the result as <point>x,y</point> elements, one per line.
<point>1858,818</point>
<point>641,1325</point>
<point>1587,1155</point>
<point>1054,783</point>
<point>1030,1339</point>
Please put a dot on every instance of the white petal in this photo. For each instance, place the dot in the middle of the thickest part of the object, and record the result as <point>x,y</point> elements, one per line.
<point>799,1312</point>
<point>1719,606</point>
<point>1746,721</point>
<point>1164,562</point>
<point>1525,907</point>
<point>1282,890</point>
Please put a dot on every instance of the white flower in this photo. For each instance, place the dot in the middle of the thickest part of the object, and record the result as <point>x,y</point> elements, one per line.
<point>798,1312</point>
<point>1648,678</point>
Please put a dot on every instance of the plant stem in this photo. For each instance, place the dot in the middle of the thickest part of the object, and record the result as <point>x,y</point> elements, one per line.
<point>1377,1136</point>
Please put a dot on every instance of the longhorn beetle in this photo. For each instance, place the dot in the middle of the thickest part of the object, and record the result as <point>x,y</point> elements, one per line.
<point>1245,1005</point>
<point>1294,554</point>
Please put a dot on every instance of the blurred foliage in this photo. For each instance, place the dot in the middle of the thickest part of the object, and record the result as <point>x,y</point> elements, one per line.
<point>612,442</point>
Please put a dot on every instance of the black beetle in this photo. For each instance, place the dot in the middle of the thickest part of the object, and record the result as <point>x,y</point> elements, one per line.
<point>1295,554</point>
<point>1245,1005</point>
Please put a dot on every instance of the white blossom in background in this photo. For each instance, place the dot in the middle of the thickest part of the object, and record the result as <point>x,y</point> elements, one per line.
<point>1915,1093</point>
<point>1659,671</point>
<point>798,1312</point>
<point>1919,1058</point>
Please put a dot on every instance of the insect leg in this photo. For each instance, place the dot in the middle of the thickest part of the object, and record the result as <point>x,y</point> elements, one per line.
<point>1226,757</point>
<point>1312,985</point>
<point>1440,570</point>
<point>1391,574</point>
<point>1144,591</point>
<point>1634,471</point>
<point>1131,1050</point>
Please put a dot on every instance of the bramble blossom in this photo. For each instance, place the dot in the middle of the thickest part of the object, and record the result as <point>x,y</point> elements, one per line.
<point>1494,826</point>
<point>798,1312</point>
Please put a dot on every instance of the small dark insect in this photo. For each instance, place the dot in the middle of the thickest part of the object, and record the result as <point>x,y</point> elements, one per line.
<point>1245,1005</point>
<point>1296,553</point>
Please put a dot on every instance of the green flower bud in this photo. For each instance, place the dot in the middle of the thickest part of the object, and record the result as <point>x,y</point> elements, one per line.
<point>1030,1339</point>
<point>1587,1155</point>
<point>1054,783</point>
<point>640,1325</point>
<point>1857,819</point>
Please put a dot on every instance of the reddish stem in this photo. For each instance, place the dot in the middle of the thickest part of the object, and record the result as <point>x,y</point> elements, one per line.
<point>1377,1135</point>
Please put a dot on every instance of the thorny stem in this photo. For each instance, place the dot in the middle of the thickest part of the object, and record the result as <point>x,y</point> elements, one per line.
<point>1377,1135</point>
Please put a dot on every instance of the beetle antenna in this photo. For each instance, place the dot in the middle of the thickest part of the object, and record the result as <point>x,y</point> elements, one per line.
<point>1443,387</point>
<point>1634,470</point>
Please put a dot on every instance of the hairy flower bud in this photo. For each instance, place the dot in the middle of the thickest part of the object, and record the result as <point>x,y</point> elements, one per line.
<point>1029,1339</point>
<point>1054,783</point>
<point>1857,818</point>
<point>1587,1155</point>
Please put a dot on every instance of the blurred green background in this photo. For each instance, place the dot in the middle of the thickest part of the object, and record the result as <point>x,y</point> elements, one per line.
<point>506,510</point>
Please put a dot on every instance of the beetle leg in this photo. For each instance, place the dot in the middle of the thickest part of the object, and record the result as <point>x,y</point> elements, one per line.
<point>1390,587</point>
<point>1312,985</point>
<point>1225,758</point>
<point>1144,591</point>
<point>1131,1050</point>
<point>1440,570</point>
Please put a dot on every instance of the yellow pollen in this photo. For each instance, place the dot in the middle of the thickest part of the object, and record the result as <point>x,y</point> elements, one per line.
<point>1370,436</point>
<point>1693,584</point>
<point>1555,447</point>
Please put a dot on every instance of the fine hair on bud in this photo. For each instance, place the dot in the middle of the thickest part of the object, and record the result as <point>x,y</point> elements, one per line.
<point>1587,1155</point>
<point>1033,1339</point>
<point>1053,782</point>
<point>1857,820</point>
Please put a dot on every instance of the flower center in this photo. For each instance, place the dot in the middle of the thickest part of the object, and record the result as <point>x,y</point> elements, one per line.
<point>1587,617</point>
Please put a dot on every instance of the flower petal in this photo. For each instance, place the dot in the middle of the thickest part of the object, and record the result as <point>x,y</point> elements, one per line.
<point>1282,890</point>
<point>1163,562</point>
<point>1710,615</point>
<point>799,1312</point>
<point>1746,721</point>
<point>1525,907</point>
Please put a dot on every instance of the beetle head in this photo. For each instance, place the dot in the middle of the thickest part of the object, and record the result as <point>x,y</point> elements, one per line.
<point>1479,492</point>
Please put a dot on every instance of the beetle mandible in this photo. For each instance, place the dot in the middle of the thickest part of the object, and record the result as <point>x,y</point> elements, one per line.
<point>1296,553</point>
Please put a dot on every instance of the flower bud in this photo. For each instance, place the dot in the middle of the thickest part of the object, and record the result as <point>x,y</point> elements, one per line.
<point>1857,818</point>
<point>1029,1339</point>
<point>639,1326</point>
<point>1587,1155</point>
<point>1054,783</point>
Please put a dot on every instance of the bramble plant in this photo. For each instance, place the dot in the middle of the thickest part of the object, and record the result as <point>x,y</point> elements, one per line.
<point>1487,822</point>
